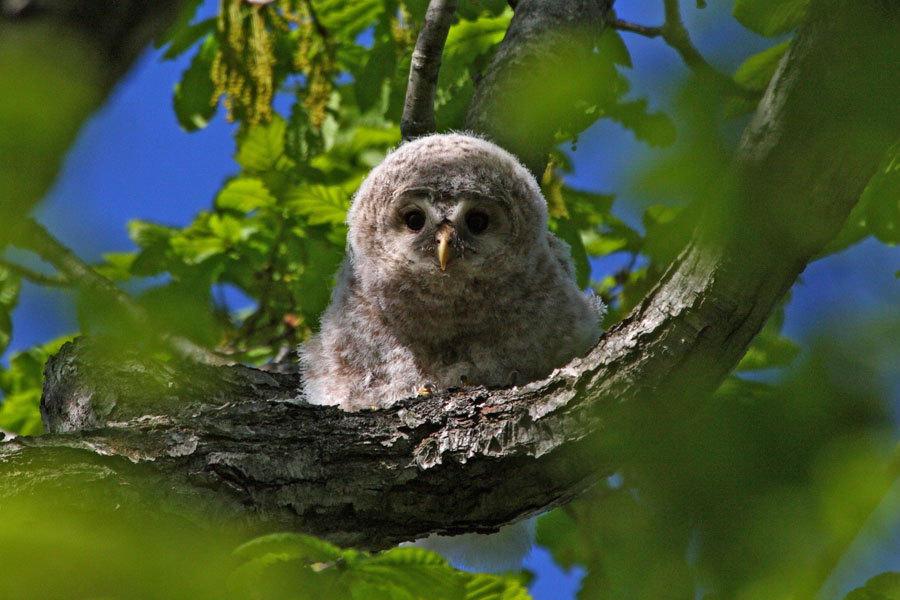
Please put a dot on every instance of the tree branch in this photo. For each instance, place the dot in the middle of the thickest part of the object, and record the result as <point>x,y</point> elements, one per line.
<point>418,109</point>
<point>30,235</point>
<point>676,36</point>
<point>35,276</point>
<point>237,443</point>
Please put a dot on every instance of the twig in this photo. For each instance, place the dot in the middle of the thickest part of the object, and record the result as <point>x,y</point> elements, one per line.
<point>35,276</point>
<point>418,109</point>
<point>32,236</point>
<point>644,30</point>
<point>676,35</point>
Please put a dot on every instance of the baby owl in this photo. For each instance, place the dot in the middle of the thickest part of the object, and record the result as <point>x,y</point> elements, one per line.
<point>451,278</point>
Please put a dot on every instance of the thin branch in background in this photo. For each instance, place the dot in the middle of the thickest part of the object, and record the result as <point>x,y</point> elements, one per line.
<point>676,35</point>
<point>35,276</point>
<point>32,236</point>
<point>418,109</point>
<point>650,32</point>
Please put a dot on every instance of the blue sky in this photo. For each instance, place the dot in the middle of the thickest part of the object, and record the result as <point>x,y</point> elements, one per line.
<point>131,160</point>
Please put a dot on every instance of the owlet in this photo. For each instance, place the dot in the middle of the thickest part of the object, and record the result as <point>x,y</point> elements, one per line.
<point>451,278</point>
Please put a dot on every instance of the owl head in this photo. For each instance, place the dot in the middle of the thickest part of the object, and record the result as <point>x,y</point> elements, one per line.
<point>446,206</point>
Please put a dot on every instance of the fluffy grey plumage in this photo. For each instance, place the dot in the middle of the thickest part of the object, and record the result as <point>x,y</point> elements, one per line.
<point>505,307</point>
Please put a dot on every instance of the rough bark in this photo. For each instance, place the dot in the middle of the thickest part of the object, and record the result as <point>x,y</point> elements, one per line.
<point>237,442</point>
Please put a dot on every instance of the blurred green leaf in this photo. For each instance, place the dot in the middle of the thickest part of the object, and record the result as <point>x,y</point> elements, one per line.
<point>195,94</point>
<point>185,38</point>
<point>885,586</point>
<point>10,286</point>
<point>770,17</point>
<point>878,210</point>
<point>657,129</point>
<point>768,350</point>
<point>294,545</point>
<point>612,45</point>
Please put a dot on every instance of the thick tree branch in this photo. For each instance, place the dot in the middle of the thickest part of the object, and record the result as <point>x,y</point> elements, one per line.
<point>418,109</point>
<point>236,442</point>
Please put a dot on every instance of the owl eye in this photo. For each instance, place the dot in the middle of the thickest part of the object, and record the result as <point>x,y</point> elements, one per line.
<point>415,220</point>
<point>477,221</point>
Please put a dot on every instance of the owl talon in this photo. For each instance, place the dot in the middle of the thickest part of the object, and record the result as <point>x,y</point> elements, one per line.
<point>427,389</point>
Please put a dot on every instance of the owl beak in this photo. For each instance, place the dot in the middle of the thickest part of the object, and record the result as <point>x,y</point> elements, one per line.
<point>444,235</point>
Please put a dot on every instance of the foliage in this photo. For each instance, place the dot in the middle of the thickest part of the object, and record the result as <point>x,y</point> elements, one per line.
<point>774,474</point>
<point>290,566</point>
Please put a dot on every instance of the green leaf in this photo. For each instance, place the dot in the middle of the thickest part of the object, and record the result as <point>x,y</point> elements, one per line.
<point>195,95</point>
<point>21,413</point>
<point>657,129</point>
<point>21,385</point>
<point>321,204</point>
<point>194,250</point>
<point>117,266</point>
<point>261,147</point>
<point>323,258</point>
<point>468,40</point>
<point>146,234</point>
<point>611,44</point>
<point>406,572</point>
<point>881,199</point>
<point>885,586</point>
<point>495,587</point>
<point>770,17</point>
<point>244,194</point>
<point>10,285</point>
<point>294,545</point>
<point>346,20</point>
<point>757,70</point>
<point>878,210</point>
<point>380,68</point>
<point>187,37</point>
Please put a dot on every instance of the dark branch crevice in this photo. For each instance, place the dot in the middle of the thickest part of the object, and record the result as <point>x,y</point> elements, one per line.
<point>237,444</point>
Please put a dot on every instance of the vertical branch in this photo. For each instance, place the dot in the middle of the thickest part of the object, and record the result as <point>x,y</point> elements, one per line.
<point>418,109</point>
